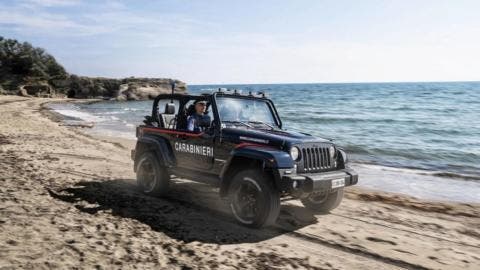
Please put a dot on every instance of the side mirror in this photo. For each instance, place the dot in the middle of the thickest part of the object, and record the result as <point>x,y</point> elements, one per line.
<point>148,120</point>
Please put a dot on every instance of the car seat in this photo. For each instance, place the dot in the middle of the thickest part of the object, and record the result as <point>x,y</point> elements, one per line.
<point>182,120</point>
<point>168,117</point>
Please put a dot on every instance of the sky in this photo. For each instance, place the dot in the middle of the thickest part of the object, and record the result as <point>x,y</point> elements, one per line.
<point>262,41</point>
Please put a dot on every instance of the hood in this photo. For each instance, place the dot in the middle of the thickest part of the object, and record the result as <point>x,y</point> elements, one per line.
<point>277,137</point>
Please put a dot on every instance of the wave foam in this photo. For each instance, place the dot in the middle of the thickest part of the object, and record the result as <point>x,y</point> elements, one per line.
<point>417,183</point>
<point>78,115</point>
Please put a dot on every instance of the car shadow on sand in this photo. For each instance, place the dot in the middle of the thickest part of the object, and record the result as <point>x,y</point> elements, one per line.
<point>190,212</point>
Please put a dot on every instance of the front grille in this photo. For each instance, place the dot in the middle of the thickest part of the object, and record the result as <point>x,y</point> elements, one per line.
<point>315,159</point>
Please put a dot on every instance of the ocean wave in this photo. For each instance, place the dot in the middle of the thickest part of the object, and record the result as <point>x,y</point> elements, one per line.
<point>420,171</point>
<point>320,118</point>
<point>111,112</point>
<point>76,114</point>
<point>456,175</point>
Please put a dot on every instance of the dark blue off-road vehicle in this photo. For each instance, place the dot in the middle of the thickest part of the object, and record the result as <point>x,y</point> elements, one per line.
<point>244,151</point>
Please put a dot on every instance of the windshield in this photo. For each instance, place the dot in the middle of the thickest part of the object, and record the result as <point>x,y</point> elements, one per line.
<point>245,110</point>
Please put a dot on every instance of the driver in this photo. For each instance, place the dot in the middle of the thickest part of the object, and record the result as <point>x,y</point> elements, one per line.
<point>198,121</point>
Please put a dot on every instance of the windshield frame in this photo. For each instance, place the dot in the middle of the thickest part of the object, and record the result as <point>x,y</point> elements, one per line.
<point>271,106</point>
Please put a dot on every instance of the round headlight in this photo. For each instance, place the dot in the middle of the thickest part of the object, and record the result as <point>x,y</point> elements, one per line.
<point>332,151</point>
<point>295,153</point>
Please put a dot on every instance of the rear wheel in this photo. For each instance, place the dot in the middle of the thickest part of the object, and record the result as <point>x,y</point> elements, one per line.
<point>323,202</point>
<point>151,177</point>
<point>253,199</point>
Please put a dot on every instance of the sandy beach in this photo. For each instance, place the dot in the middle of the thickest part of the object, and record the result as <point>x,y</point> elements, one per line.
<point>69,200</point>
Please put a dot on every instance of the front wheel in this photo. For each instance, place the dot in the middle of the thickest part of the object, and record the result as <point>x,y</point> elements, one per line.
<point>253,199</point>
<point>323,202</point>
<point>151,178</point>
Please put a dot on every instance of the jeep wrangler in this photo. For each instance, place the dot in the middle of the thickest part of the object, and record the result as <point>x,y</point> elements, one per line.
<point>244,151</point>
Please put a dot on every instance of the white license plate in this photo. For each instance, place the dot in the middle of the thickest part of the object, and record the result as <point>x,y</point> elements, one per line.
<point>338,183</point>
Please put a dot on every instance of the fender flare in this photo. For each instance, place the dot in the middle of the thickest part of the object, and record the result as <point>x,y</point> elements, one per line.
<point>270,158</point>
<point>159,146</point>
<point>342,159</point>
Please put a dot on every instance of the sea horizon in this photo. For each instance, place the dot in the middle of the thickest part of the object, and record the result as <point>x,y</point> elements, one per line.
<point>353,82</point>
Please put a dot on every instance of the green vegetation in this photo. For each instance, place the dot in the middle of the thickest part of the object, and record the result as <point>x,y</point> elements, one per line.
<point>21,63</point>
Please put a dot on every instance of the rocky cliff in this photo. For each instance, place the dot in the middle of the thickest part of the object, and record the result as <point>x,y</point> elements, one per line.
<point>119,89</point>
<point>31,71</point>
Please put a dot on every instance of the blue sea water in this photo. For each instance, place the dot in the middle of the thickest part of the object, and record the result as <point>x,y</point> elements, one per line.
<point>428,126</point>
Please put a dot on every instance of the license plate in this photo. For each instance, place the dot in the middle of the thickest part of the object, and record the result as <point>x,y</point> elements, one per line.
<point>336,183</point>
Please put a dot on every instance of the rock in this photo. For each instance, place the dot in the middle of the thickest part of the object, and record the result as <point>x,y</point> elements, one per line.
<point>23,92</point>
<point>121,89</point>
<point>2,92</point>
<point>139,92</point>
<point>121,98</point>
<point>102,88</point>
<point>142,89</point>
<point>39,89</point>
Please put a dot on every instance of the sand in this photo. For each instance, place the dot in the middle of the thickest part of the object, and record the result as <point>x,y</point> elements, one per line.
<point>69,200</point>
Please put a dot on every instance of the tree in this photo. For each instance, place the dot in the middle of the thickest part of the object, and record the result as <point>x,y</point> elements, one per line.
<point>27,62</point>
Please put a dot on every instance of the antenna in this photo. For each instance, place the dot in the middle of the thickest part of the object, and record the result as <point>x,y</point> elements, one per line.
<point>173,87</point>
<point>173,91</point>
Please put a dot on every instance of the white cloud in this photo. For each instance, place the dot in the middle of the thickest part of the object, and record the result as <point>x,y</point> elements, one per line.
<point>53,3</point>
<point>47,24</point>
<point>36,18</point>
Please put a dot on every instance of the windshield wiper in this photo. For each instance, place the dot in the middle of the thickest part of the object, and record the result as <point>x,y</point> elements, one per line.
<point>263,123</point>
<point>239,122</point>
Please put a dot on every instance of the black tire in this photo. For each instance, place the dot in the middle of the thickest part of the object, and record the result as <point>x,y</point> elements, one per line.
<point>253,199</point>
<point>152,179</point>
<point>323,203</point>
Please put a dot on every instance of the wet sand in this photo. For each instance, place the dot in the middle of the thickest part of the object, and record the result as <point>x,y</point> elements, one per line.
<point>68,199</point>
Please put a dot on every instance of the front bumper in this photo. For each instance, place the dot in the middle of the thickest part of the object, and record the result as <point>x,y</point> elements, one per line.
<point>318,182</point>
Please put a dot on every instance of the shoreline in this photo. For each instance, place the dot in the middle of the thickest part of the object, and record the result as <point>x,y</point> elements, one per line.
<point>427,185</point>
<point>59,118</point>
<point>70,198</point>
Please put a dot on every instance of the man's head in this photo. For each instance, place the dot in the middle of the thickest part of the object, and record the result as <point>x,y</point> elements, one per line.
<point>200,106</point>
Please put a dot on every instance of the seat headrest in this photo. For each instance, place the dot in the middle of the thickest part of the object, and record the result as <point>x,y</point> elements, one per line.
<point>170,108</point>
<point>190,110</point>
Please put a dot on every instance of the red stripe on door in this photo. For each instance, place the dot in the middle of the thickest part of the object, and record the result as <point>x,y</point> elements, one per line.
<point>168,131</point>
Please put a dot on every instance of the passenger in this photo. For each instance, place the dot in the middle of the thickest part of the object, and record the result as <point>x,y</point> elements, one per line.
<point>198,121</point>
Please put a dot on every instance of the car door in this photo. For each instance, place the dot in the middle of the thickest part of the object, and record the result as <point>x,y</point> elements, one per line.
<point>194,151</point>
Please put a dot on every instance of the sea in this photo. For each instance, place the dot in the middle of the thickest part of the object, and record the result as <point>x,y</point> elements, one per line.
<point>421,139</point>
